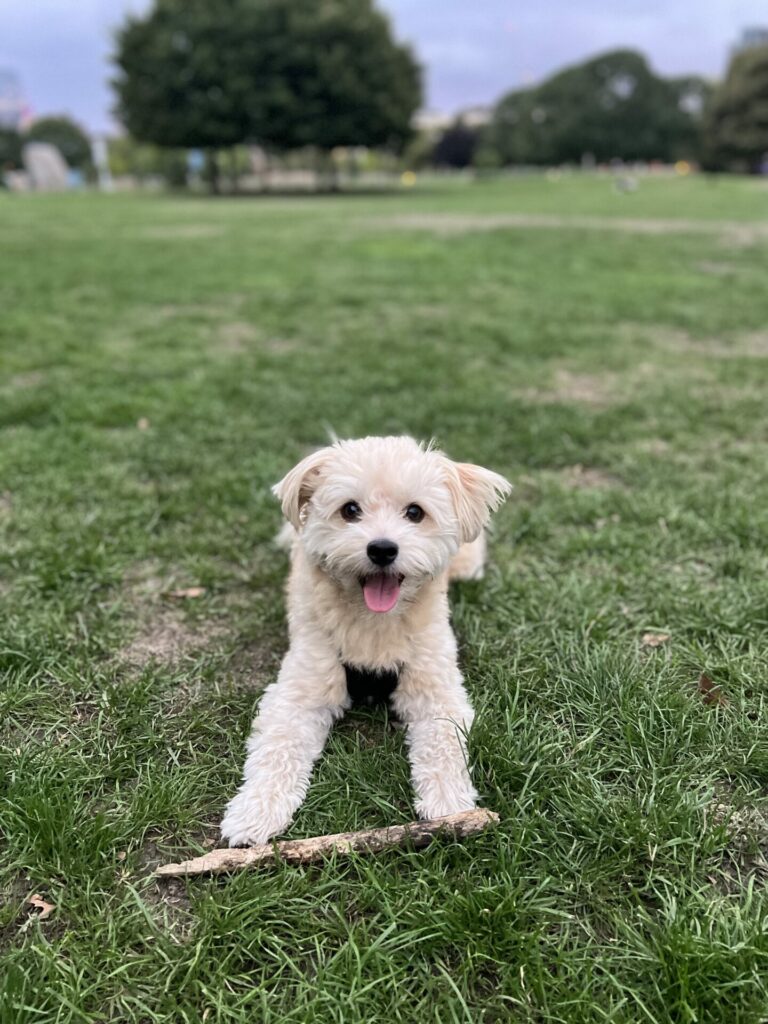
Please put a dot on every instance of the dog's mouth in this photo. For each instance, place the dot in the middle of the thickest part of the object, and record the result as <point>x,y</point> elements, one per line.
<point>381,591</point>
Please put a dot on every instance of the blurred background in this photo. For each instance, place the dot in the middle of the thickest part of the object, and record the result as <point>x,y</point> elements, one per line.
<point>236,95</point>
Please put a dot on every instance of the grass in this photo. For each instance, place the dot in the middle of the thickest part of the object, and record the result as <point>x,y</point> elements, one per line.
<point>162,361</point>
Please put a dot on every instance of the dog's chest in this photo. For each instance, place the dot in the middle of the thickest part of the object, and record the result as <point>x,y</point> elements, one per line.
<point>377,643</point>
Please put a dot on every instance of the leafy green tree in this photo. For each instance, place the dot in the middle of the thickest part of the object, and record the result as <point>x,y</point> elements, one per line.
<point>456,146</point>
<point>143,161</point>
<point>612,106</point>
<point>10,149</point>
<point>67,136</point>
<point>692,95</point>
<point>282,73</point>
<point>737,119</point>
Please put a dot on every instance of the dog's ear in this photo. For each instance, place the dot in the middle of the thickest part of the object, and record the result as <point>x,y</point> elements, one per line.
<point>477,492</point>
<point>297,486</point>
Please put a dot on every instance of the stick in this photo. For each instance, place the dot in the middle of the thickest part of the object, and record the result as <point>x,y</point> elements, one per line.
<point>303,851</point>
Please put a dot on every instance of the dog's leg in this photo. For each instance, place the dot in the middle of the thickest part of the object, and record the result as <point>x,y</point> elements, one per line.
<point>288,736</point>
<point>435,708</point>
<point>469,561</point>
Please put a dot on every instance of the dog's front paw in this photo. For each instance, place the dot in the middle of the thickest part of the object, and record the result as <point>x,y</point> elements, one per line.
<point>250,820</point>
<point>440,808</point>
<point>445,796</point>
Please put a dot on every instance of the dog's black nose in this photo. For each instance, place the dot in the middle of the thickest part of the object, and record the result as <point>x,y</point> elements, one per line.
<point>382,552</point>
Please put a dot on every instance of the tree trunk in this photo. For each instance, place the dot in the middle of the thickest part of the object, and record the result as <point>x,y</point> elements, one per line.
<point>211,171</point>
<point>233,173</point>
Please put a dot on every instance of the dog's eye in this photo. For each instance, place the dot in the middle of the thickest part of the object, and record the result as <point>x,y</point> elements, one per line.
<point>351,512</point>
<point>414,513</point>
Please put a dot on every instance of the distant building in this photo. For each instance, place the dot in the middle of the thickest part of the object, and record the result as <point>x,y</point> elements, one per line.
<point>13,108</point>
<point>432,122</point>
<point>475,117</point>
<point>751,37</point>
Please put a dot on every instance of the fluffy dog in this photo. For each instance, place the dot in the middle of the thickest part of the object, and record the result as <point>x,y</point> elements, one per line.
<point>378,526</point>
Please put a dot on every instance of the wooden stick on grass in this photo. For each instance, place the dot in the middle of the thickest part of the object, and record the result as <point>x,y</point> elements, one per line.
<point>303,851</point>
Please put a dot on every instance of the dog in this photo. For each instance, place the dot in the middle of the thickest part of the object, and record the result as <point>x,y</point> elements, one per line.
<point>377,528</point>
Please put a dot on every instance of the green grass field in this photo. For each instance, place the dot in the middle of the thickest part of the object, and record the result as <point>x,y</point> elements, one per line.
<point>162,361</point>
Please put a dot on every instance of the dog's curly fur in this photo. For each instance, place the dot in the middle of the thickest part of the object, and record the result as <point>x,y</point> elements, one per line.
<point>345,610</point>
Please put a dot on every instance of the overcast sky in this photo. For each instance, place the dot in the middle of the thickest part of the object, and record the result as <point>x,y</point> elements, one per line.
<point>472,51</point>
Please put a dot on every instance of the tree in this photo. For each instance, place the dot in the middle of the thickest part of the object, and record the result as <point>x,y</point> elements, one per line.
<point>612,106</point>
<point>737,119</point>
<point>281,73</point>
<point>141,161</point>
<point>10,149</point>
<point>456,146</point>
<point>67,136</point>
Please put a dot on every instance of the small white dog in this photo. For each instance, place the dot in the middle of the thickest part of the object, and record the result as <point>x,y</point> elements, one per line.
<point>378,526</point>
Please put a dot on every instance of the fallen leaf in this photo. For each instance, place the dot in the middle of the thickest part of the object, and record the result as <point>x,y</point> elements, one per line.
<point>187,592</point>
<point>710,692</point>
<point>143,423</point>
<point>654,639</point>
<point>46,909</point>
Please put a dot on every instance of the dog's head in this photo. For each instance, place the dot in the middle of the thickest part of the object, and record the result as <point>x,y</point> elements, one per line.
<point>384,514</point>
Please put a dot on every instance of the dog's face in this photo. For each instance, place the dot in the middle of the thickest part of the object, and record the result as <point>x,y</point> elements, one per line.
<point>382,515</point>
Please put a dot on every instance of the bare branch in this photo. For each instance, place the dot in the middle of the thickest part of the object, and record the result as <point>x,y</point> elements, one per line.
<point>303,851</point>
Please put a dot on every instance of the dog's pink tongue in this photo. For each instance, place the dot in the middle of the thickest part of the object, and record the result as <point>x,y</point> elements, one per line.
<point>381,592</point>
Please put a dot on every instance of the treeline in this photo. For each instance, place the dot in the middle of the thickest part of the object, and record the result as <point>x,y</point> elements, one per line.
<point>613,107</point>
<point>316,82</point>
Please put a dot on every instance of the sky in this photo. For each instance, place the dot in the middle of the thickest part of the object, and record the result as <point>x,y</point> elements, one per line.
<point>472,50</point>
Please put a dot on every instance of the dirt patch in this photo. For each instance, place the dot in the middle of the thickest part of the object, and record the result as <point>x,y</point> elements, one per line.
<point>202,316</point>
<point>369,728</point>
<point>746,345</point>
<point>653,445</point>
<point>180,232</point>
<point>145,580</point>
<point>168,901</point>
<point>587,478</point>
<point>254,666</point>
<point>235,337</point>
<point>238,336</point>
<point>754,344</point>
<point>581,388</point>
<point>18,914</point>
<point>222,306</point>
<point>435,311</point>
<point>674,339</point>
<point>747,837</point>
<point>281,346</point>
<point>22,381</point>
<point>165,639</point>
<point>733,233</point>
<point>716,269</point>
<point>162,633</point>
<point>171,909</point>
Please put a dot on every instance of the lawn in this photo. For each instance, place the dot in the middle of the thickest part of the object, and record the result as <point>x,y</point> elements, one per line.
<point>163,360</point>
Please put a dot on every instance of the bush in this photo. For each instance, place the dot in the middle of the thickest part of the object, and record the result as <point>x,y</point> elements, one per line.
<point>10,150</point>
<point>67,136</point>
